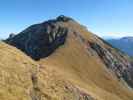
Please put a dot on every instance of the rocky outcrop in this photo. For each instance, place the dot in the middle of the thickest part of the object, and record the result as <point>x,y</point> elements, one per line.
<point>63,18</point>
<point>11,35</point>
<point>40,40</point>
<point>120,66</point>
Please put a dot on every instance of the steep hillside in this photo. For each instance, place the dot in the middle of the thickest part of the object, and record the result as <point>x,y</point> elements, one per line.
<point>23,79</point>
<point>79,56</point>
<point>125,44</point>
<point>15,74</point>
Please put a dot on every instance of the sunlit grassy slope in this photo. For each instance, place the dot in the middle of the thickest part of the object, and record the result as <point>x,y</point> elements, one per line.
<point>15,74</point>
<point>84,68</point>
<point>21,78</point>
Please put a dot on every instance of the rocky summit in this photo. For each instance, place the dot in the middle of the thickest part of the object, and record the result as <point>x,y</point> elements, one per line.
<point>69,63</point>
<point>40,40</point>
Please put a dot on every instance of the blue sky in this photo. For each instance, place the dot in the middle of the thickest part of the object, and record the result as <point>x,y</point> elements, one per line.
<point>106,18</point>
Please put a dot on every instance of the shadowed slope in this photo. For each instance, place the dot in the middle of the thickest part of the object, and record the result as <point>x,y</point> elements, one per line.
<point>40,40</point>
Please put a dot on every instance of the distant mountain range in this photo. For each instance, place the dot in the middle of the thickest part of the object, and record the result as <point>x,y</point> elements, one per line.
<point>125,44</point>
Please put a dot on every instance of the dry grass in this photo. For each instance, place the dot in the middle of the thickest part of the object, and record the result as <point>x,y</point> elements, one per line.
<point>70,73</point>
<point>87,71</point>
<point>23,79</point>
<point>15,74</point>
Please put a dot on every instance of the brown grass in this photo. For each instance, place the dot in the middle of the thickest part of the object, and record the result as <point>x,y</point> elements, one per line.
<point>21,78</point>
<point>87,71</point>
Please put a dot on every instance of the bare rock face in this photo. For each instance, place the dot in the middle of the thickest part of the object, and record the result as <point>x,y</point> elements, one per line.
<point>40,40</point>
<point>116,62</point>
<point>63,18</point>
<point>11,35</point>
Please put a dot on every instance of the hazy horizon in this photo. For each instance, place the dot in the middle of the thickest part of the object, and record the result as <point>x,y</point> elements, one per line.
<point>106,18</point>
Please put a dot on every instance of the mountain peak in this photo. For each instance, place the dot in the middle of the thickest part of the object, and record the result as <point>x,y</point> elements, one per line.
<point>129,38</point>
<point>46,36</point>
<point>80,56</point>
<point>63,18</point>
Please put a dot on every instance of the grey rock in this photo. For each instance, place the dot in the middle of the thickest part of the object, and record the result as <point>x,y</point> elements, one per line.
<point>40,40</point>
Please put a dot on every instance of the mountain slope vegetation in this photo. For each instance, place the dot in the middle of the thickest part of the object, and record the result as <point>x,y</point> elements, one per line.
<point>21,78</point>
<point>67,50</point>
